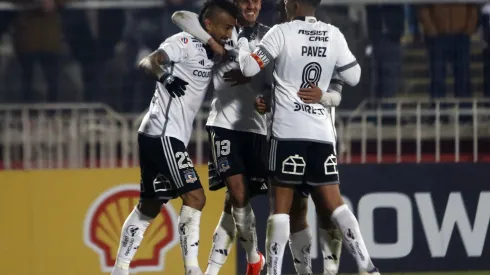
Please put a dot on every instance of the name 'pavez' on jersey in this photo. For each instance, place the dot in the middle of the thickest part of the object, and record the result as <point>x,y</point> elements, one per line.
<point>173,117</point>
<point>318,49</point>
<point>233,107</point>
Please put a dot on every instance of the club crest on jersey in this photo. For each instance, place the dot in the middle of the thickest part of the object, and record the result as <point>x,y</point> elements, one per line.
<point>190,176</point>
<point>106,216</point>
<point>223,165</point>
<point>184,40</point>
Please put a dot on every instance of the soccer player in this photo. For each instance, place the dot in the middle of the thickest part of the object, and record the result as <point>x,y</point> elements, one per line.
<point>330,236</point>
<point>233,116</point>
<point>182,65</point>
<point>302,151</point>
<point>238,138</point>
<point>238,97</point>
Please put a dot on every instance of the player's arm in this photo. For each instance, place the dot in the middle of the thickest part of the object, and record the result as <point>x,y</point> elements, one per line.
<point>268,49</point>
<point>346,66</point>
<point>173,50</point>
<point>189,22</point>
<point>331,98</point>
<point>152,64</point>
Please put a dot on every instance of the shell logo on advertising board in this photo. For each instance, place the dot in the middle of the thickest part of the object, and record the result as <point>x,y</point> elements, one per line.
<point>103,223</point>
<point>75,219</point>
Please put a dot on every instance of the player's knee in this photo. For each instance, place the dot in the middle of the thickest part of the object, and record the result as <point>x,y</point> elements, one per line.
<point>195,199</point>
<point>150,207</point>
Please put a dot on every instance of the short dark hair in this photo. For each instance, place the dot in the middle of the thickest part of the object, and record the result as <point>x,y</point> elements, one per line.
<point>280,6</point>
<point>313,3</point>
<point>211,6</point>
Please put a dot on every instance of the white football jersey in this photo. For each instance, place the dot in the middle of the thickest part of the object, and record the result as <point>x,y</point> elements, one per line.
<point>305,50</point>
<point>233,107</point>
<point>174,117</point>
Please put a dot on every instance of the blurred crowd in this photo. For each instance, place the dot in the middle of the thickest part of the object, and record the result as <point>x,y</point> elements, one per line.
<point>52,53</point>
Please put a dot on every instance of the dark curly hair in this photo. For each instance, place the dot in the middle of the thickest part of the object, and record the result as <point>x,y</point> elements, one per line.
<point>211,6</point>
<point>281,11</point>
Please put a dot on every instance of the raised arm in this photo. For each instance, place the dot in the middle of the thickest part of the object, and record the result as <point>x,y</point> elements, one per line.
<point>346,66</point>
<point>189,22</point>
<point>268,49</point>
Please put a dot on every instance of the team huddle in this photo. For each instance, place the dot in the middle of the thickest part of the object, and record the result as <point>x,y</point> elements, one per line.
<point>271,130</point>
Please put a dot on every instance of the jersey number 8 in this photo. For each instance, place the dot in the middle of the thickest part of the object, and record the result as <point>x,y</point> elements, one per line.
<point>311,74</point>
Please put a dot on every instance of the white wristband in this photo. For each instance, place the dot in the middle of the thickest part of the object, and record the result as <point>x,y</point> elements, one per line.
<point>330,99</point>
<point>325,99</point>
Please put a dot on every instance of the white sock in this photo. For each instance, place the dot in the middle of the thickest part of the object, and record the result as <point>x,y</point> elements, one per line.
<point>351,234</point>
<point>300,244</point>
<point>331,244</point>
<point>223,238</point>
<point>131,236</point>
<point>189,220</point>
<point>247,234</point>
<point>276,241</point>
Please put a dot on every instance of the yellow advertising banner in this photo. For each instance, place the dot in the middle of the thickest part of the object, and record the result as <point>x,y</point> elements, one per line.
<point>69,222</point>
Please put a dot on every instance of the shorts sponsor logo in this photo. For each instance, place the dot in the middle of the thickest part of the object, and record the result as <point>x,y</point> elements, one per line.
<point>105,218</point>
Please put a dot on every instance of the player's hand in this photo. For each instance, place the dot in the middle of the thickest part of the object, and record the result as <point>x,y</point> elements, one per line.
<point>260,105</point>
<point>174,85</point>
<point>236,76</point>
<point>310,95</point>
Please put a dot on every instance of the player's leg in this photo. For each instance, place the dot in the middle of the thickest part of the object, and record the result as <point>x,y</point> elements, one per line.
<point>254,152</point>
<point>229,162</point>
<point>148,208</point>
<point>186,184</point>
<point>330,237</point>
<point>287,164</point>
<point>224,234</point>
<point>300,238</point>
<point>331,245</point>
<point>323,176</point>
<point>223,239</point>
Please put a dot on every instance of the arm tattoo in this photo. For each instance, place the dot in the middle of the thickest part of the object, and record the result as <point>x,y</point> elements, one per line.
<point>156,59</point>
